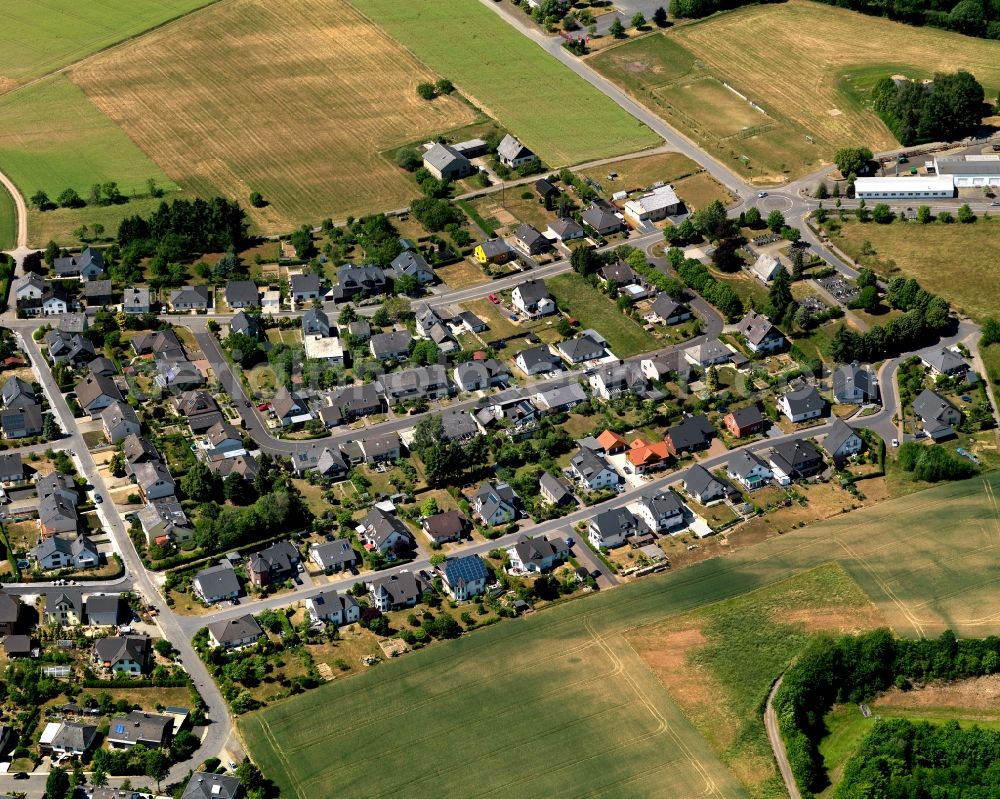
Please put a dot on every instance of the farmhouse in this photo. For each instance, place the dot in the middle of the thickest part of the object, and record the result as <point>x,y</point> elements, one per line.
<point>652,207</point>
<point>514,154</point>
<point>446,163</point>
<point>905,188</point>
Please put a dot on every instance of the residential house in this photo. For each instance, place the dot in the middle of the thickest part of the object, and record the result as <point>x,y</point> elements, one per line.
<point>766,267</point>
<point>465,578</point>
<point>411,263</point>
<point>246,325</point>
<point>470,322</point>
<point>555,490</point>
<point>152,730</point>
<point>56,552</point>
<point>761,336</point>
<point>513,154</point>
<point>21,419</point>
<point>381,448</point>
<point>426,319</point>
<point>661,511</point>
<point>199,408</point>
<point>98,293</point>
<point>242,294</point>
<point>106,610</point>
<point>204,785</point>
<point>565,229</point>
<point>801,403</point>
<point>270,302</point>
<point>532,298</point>
<point>190,298</point>
<point>446,163</point>
<point>10,614</point>
<point>855,384</point>
<point>586,347</point>
<point>395,591</point>
<point>611,528</point>
<point>618,274</point>
<point>794,459</point>
<point>560,399</point>
<point>545,190</point>
<point>647,456</point>
<point>57,483</point>
<point>119,421</point>
<point>217,583</point>
<point>704,486</point>
<point>359,329</point>
<point>243,465</point>
<point>136,300</point>
<point>391,346</point>
<point>354,402</point>
<point>235,633</point>
<point>334,556</point>
<point>324,348</point>
<point>945,361</point>
<point>384,532</point>
<point>289,408</point>
<point>537,360</point>
<point>493,251</point>
<point>73,322</point>
<point>64,607</point>
<point>69,738</point>
<point>29,287</point>
<point>429,382</point>
<point>57,514</point>
<point>138,449</point>
<point>746,421</point>
<point>689,435</point>
<point>16,389</point>
<point>536,555</point>
<point>653,206</point>
<point>842,441</point>
<point>939,416</point>
<point>69,348</point>
<point>305,288</point>
<point>158,342</point>
<point>479,375</point>
<point>18,646</point>
<point>593,471</point>
<point>330,607</point>
<point>224,439</point>
<point>614,380</point>
<point>88,264</point>
<point>516,416</point>
<point>603,218</point>
<point>102,366</point>
<point>154,480</point>
<point>272,565</point>
<point>664,366</point>
<point>122,654</point>
<point>611,443</point>
<point>709,353</point>
<point>495,503</point>
<point>444,527</point>
<point>164,520</point>
<point>95,393</point>
<point>315,322</point>
<point>55,301</point>
<point>11,467</point>
<point>665,310</point>
<point>458,426</point>
<point>749,470</point>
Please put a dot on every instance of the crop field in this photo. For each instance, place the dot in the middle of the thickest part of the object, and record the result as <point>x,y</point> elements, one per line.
<point>596,310</point>
<point>53,138</point>
<point>816,88</point>
<point>937,256</point>
<point>40,36</point>
<point>550,691</point>
<point>557,114</point>
<point>295,101</point>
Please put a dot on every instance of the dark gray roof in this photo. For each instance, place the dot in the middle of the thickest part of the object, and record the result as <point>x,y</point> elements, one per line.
<point>588,463</point>
<point>691,432</point>
<point>390,343</point>
<point>122,647</point>
<point>529,235</point>
<point>492,247</point>
<point>931,406</point>
<point>242,292</point>
<point>698,480</point>
<point>743,463</point>
<point>839,433</point>
<point>307,283</point>
<point>797,454</point>
<point>218,580</point>
<point>804,399</point>
<point>211,786</point>
<point>467,569</point>
<point>189,295</point>
<point>442,156</point>
<point>614,521</point>
<point>401,587</point>
<point>237,629</point>
<point>334,553</point>
<point>565,226</point>
<point>850,376</point>
<point>583,348</point>
<point>512,149</point>
<point>945,360</point>
<point>555,487</point>
<point>756,328</point>
<point>746,416</point>
<point>536,355</point>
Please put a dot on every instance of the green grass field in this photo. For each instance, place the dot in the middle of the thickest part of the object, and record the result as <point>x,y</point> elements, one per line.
<point>39,36</point>
<point>8,220</point>
<point>596,310</point>
<point>53,138</point>
<point>562,694</point>
<point>59,225</point>
<point>937,255</point>
<point>809,101</point>
<point>555,113</point>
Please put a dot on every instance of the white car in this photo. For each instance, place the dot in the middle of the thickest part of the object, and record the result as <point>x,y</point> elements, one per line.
<point>895,442</point>
<point>761,195</point>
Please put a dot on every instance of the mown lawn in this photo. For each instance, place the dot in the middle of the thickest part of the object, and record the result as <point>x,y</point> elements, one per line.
<point>8,220</point>
<point>596,310</point>
<point>560,116</point>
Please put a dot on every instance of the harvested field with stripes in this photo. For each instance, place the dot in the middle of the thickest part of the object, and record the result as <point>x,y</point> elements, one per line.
<point>295,101</point>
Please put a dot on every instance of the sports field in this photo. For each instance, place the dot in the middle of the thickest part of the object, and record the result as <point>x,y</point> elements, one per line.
<point>52,137</point>
<point>292,100</point>
<point>937,255</point>
<point>39,36</point>
<point>555,113</point>
<point>806,68</point>
<point>563,696</point>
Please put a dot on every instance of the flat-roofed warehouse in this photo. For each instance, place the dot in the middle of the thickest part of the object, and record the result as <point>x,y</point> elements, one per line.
<point>970,171</point>
<point>909,188</point>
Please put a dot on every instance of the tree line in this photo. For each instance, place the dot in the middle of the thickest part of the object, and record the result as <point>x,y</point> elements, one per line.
<point>854,668</point>
<point>183,228</point>
<point>971,17</point>
<point>949,108</point>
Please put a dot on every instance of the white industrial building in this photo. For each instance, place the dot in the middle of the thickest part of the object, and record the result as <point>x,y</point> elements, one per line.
<point>970,171</point>
<point>906,188</point>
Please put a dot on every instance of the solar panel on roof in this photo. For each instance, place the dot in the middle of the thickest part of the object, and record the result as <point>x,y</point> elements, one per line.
<point>119,728</point>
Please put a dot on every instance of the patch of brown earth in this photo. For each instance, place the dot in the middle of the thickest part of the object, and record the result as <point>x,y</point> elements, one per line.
<point>978,694</point>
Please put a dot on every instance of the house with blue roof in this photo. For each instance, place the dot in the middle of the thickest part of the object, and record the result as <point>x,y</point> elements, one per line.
<point>465,578</point>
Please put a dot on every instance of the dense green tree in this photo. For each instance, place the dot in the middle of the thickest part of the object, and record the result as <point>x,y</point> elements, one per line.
<point>852,160</point>
<point>780,294</point>
<point>660,17</point>
<point>775,221</point>
<point>617,30</point>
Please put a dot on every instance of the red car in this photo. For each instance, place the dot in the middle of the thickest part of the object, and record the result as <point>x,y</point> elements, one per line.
<point>494,299</point>
<point>264,406</point>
